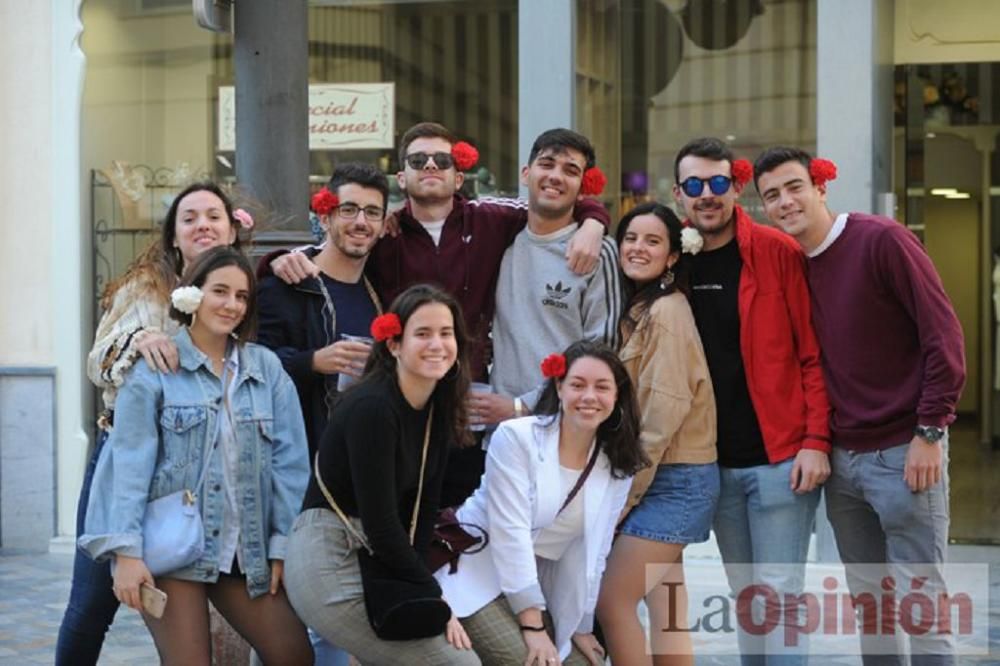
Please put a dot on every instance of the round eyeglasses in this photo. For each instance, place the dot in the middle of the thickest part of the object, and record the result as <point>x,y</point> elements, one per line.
<point>718,185</point>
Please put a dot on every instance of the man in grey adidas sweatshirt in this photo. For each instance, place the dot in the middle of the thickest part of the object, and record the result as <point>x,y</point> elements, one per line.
<point>541,305</point>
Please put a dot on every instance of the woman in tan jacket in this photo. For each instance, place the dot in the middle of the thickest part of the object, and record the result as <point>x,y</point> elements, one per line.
<point>670,504</point>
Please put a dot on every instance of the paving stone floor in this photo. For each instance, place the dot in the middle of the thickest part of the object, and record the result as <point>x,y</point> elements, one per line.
<point>34,590</point>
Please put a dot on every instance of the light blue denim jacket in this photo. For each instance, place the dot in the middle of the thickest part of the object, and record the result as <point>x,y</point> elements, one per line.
<point>164,421</point>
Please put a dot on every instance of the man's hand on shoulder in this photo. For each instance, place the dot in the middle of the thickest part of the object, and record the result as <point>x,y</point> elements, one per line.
<point>584,248</point>
<point>294,267</point>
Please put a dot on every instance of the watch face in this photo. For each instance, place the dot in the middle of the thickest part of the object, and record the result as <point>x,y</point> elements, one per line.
<point>930,433</point>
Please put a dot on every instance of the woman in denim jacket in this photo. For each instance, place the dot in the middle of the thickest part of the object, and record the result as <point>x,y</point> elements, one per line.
<point>229,407</point>
<point>136,322</point>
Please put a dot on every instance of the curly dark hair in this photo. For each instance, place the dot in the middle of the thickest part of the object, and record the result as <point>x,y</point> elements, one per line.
<point>619,438</point>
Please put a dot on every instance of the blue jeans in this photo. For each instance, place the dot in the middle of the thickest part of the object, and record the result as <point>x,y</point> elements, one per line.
<point>760,521</point>
<point>877,520</point>
<point>92,605</point>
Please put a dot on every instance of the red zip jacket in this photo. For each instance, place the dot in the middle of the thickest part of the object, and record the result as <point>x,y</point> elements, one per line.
<point>780,352</point>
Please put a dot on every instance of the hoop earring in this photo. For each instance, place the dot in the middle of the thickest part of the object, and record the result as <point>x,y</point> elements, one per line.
<point>667,279</point>
<point>621,419</point>
<point>194,318</point>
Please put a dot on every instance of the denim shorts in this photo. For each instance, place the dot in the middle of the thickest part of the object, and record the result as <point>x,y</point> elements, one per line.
<point>678,507</point>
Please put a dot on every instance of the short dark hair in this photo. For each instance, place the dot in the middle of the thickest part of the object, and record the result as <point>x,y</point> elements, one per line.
<point>451,390</point>
<point>422,131</point>
<point>214,259</point>
<point>774,157</point>
<point>361,174</point>
<point>708,147</point>
<point>561,139</point>
<point>618,435</point>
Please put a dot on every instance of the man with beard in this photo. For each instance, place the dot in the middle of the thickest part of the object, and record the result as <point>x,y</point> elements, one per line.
<point>542,306</point>
<point>309,324</point>
<point>751,306</point>
<point>458,244</point>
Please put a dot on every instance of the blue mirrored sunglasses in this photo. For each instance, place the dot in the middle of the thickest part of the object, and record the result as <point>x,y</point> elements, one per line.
<point>718,185</point>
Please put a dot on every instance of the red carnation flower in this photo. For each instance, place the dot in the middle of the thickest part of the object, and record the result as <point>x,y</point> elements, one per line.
<point>821,170</point>
<point>594,181</point>
<point>324,201</point>
<point>742,171</point>
<point>465,155</point>
<point>386,326</point>
<point>554,365</point>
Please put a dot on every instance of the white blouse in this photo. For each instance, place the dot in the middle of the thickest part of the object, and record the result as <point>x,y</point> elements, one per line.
<point>553,540</point>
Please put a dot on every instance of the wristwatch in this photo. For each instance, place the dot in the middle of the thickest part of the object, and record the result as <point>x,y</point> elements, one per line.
<point>932,434</point>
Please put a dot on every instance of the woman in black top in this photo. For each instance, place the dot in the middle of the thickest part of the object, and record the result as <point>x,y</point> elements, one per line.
<point>369,460</point>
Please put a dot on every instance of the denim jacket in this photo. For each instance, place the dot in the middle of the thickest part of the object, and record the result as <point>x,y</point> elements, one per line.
<point>163,423</point>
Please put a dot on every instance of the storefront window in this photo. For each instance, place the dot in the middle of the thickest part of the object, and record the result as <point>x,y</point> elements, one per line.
<point>744,71</point>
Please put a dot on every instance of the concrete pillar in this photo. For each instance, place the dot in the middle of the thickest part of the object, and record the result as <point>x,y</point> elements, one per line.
<point>272,88</point>
<point>546,45</point>
<point>854,60</point>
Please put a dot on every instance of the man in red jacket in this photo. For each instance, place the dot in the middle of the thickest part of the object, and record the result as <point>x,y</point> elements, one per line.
<point>751,306</point>
<point>895,366</point>
<point>458,244</point>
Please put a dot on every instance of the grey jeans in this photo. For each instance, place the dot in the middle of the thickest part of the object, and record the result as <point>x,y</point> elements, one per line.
<point>323,581</point>
<point>883,528</point>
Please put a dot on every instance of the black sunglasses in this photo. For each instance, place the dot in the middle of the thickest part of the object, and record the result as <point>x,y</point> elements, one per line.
<point>719,185</point>
<point>419,160</point>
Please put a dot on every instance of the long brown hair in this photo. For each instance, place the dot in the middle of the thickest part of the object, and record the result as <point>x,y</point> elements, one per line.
<point>159,266</point>
<point>451,390</point>
<point>197,273</point>
<point>618,435</point>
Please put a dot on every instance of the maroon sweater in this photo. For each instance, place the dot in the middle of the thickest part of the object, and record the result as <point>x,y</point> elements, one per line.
<point>893,353</point>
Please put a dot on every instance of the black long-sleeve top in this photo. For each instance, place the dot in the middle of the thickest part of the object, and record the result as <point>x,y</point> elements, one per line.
<point>369,459</point>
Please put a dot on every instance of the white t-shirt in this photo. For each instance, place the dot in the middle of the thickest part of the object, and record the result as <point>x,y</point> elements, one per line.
<point>434,229</point>
<point>553,540</point>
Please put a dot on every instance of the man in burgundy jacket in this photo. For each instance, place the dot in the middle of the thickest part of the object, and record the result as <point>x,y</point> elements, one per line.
<point>751,306</point>
<point>458,244</point>
<point>894,363</point>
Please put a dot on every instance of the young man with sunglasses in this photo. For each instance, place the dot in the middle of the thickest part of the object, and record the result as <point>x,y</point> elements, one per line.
<point>895,366</point>
<point>309,325</point>
<point>751,306</point>
<point>457,243</point>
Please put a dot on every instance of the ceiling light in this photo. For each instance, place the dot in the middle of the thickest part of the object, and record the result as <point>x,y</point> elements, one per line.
<point>943,191</point>
<point>958,195</point>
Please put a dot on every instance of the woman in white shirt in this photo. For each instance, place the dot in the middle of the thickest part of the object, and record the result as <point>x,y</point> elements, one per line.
<point>554,486</point>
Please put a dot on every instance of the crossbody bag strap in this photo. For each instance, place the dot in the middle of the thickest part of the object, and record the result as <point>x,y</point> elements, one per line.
<point>581,479</point>
<point>210,443</point>
<point>333,505</point>
<point>423,466</point>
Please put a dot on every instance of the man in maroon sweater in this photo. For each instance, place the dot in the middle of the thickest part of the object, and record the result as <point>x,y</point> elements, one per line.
<point>894,365</point>
<point>455,243</point>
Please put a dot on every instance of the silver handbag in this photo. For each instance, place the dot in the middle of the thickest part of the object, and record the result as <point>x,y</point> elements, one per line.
<point>172,533</point>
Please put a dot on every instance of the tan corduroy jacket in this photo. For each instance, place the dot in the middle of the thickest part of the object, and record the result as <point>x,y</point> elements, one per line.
<point>666,362</point>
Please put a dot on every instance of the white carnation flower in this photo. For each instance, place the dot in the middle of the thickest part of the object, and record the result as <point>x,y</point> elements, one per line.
<point>691,240</point>
<point>186,299</point>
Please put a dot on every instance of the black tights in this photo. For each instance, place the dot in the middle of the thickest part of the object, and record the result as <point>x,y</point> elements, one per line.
<point>268,623</point>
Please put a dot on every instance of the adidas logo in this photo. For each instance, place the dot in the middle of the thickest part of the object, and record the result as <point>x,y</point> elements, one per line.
<point>557,292</point>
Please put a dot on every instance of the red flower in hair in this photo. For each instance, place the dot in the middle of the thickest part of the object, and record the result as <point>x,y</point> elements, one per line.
<point>742,171</point>
<point>386,326</point>
<point>821,170</point>
<point>554,365</point>
<point>465,155</point>
<point>594,181</point>
<point>324,201</point>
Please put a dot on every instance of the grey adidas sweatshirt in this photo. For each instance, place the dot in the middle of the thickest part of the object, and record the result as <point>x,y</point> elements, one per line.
<point>542,306</point>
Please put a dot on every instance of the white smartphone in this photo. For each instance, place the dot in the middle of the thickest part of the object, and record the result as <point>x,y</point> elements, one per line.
<point>154,600</point>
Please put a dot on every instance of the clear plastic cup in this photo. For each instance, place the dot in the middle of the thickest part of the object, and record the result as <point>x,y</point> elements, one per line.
<point>479,387</point>
<point>344,380</point>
